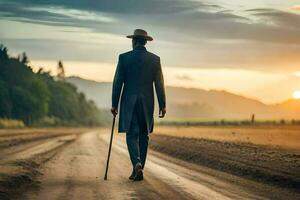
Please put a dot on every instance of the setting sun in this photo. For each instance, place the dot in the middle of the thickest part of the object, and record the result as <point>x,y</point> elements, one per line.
<point>296,94</point>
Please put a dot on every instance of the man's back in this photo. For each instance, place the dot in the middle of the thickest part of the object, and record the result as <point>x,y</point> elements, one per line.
<point>140,68</point>
<point>136,72</point>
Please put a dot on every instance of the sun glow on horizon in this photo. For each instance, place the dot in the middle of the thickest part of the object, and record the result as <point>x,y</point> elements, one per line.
<point>251,83</point>
<point>296,94</point>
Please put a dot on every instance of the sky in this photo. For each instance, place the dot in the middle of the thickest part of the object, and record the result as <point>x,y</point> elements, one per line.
<point>250,48</point>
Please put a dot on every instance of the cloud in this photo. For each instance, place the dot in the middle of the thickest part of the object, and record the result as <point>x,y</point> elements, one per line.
<point>295,8</point>
<point>184,77</point>
<point>179,19</point>
<point>55,16</point>
<point>56,49</point>
<point>190,33</point>
<point>279,18</point>
<point>118,6</point>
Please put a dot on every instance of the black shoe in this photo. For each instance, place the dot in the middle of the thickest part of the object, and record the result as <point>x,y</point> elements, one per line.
<point>131,177</point>
<point>138,172</point>
<point>139,177</point>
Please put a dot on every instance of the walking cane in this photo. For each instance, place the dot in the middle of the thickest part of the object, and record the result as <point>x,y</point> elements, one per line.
<point>111,139</point>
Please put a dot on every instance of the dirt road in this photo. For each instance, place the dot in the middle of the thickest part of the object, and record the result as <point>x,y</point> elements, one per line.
<point>77,173</point>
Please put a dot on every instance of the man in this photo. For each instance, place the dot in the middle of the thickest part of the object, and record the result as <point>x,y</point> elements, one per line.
<point>136,72</point>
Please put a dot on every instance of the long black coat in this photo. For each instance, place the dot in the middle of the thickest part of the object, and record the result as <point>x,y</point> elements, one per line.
<point>136,72</point>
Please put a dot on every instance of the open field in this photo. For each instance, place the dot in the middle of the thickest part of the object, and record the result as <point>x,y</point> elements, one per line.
<point>274,166</point>
<point>280,136</point>
<point>268,154</point>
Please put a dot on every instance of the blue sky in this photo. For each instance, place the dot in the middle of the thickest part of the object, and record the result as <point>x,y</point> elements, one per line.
<point>247,47</point>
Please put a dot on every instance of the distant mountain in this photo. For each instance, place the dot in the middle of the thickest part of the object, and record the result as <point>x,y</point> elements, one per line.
<point>198,103</point>
<point>99,92</point>
<point>291,105</point>
<point>290,108</point>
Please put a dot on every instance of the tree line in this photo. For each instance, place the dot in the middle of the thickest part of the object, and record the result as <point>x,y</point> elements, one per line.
<point>39,97</point>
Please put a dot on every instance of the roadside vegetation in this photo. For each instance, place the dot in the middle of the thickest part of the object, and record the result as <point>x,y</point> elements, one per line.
<point>10,123</point>
<point>40,99</point>
<point>223,122</point>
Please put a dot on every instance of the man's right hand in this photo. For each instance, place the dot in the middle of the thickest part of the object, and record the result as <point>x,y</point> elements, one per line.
<point>162,113</point>
<point>114,111</point>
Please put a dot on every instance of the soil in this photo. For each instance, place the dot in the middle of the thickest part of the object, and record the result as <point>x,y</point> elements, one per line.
<point>23,151</point>
<point>70,164</point>
<point>286,137</point>
<point>274,166</point>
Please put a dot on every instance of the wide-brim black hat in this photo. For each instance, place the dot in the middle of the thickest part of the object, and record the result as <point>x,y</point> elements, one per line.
<point>140,33</point>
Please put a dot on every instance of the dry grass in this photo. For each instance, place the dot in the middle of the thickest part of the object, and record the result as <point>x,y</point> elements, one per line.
<point>280,136</point>
<point>10,123</point>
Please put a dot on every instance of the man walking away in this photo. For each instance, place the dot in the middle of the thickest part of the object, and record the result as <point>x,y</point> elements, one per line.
<point>136,72</point>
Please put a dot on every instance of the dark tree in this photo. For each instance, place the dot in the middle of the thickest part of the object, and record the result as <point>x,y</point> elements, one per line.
<point>60,70</point>
<point>31,97</point>
<point>24,59</point>
<point>252,118</point>
<point>3,53</point>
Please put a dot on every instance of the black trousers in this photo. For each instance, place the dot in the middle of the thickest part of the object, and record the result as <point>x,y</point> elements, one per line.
<point>137,137</point>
